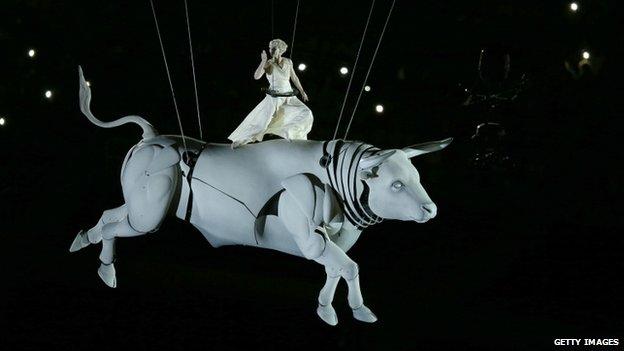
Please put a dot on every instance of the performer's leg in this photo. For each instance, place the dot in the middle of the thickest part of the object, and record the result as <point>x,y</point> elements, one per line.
<point>298,119</point>
<point>254,126</point>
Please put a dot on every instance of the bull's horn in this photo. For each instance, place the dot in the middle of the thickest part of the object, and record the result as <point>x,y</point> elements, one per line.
<point>368,162</point>
<point>425,148</point>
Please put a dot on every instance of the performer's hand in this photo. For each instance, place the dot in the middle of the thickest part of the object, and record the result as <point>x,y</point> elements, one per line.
<point>304,96</point>
<point>263,56</point>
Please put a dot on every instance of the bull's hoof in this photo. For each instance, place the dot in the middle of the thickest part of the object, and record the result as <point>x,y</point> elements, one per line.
<point>107,273</point>
<point>327,314</point>
<point>364,314</point>
<point>80,241</point>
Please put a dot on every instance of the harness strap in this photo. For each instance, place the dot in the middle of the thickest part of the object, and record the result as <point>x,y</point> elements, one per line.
<point>190,158</point>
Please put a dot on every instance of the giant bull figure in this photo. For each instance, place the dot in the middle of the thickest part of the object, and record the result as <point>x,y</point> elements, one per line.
<point>306,198</point>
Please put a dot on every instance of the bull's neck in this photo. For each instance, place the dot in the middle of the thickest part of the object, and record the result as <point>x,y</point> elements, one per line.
<point>340,161</point>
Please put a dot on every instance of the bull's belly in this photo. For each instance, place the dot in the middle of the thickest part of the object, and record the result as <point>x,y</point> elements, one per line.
<point>224,220</point>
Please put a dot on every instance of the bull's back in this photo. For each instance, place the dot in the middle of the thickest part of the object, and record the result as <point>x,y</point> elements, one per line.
<point>253,173</point>
<point>231,187</point>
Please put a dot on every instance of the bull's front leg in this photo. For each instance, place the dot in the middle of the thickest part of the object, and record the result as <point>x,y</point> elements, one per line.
<point>325,310</point>
<point>298,209</point>
<point>345,240</point>
<point>338,264</point>
<point>317,247</point>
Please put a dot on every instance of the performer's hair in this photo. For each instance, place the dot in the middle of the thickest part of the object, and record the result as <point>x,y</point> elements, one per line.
<point>279,43</point>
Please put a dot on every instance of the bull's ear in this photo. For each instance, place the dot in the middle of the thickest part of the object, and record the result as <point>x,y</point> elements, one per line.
<point>425,148</point>
<point>374,160</point>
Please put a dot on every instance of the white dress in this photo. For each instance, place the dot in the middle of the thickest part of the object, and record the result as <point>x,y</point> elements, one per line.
<point>287,117</point>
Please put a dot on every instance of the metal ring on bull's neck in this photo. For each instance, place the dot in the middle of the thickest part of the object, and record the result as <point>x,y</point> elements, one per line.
<point>357,211</point>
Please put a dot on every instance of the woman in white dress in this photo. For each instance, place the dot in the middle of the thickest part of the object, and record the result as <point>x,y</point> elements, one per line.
<point>281,112</point>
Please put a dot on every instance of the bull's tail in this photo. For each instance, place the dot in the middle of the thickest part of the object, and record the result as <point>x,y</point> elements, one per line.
<point>85,102</point>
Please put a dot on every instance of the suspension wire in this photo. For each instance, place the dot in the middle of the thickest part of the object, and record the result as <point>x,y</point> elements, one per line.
<point>272,84</point>
<point>370,67</point>
<point>272,37</point>
<point>162,49</point>
<point>188,30</point>
<point>272,19</point>
<point>292,42</point>
<point>357,57</point>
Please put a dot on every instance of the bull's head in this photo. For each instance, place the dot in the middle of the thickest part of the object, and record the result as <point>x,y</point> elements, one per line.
<point>395,189</point>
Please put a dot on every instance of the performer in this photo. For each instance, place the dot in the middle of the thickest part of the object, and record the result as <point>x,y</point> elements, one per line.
<point>281,112</point>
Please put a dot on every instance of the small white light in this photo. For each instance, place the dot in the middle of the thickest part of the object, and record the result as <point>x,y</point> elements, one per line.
<point>379,108</point>
<point>367,88</point>
<point>344,70</point>
<point>586,55</point>
<point>574,6</point>
<point>2,121</point>
<point>32,53</point>
<point>48,94</point>
<point>302,67</point>
<point>88,83</point>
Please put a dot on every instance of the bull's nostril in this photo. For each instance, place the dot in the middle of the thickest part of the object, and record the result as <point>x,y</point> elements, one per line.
<point>429,209</point>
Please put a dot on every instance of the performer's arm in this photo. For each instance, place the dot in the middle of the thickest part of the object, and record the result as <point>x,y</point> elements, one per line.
<point>262,67</point>
<point>295,80</point>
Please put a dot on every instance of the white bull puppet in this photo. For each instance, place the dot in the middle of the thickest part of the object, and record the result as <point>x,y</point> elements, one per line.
<point>306,198</point>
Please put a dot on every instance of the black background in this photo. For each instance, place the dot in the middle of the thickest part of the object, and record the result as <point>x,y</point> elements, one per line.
<point>517,256</point>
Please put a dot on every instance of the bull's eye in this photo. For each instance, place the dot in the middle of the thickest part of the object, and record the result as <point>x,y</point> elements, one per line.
<point>396,186</point>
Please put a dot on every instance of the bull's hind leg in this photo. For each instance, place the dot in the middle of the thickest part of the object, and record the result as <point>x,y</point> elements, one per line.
<point>149,180</point>
<point>110,232</point>
<point>145,215</point>
<point>94,235</point>
<point>146,211</point>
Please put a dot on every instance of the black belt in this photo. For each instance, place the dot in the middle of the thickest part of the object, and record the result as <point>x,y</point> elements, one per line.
<point>275,93</point>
